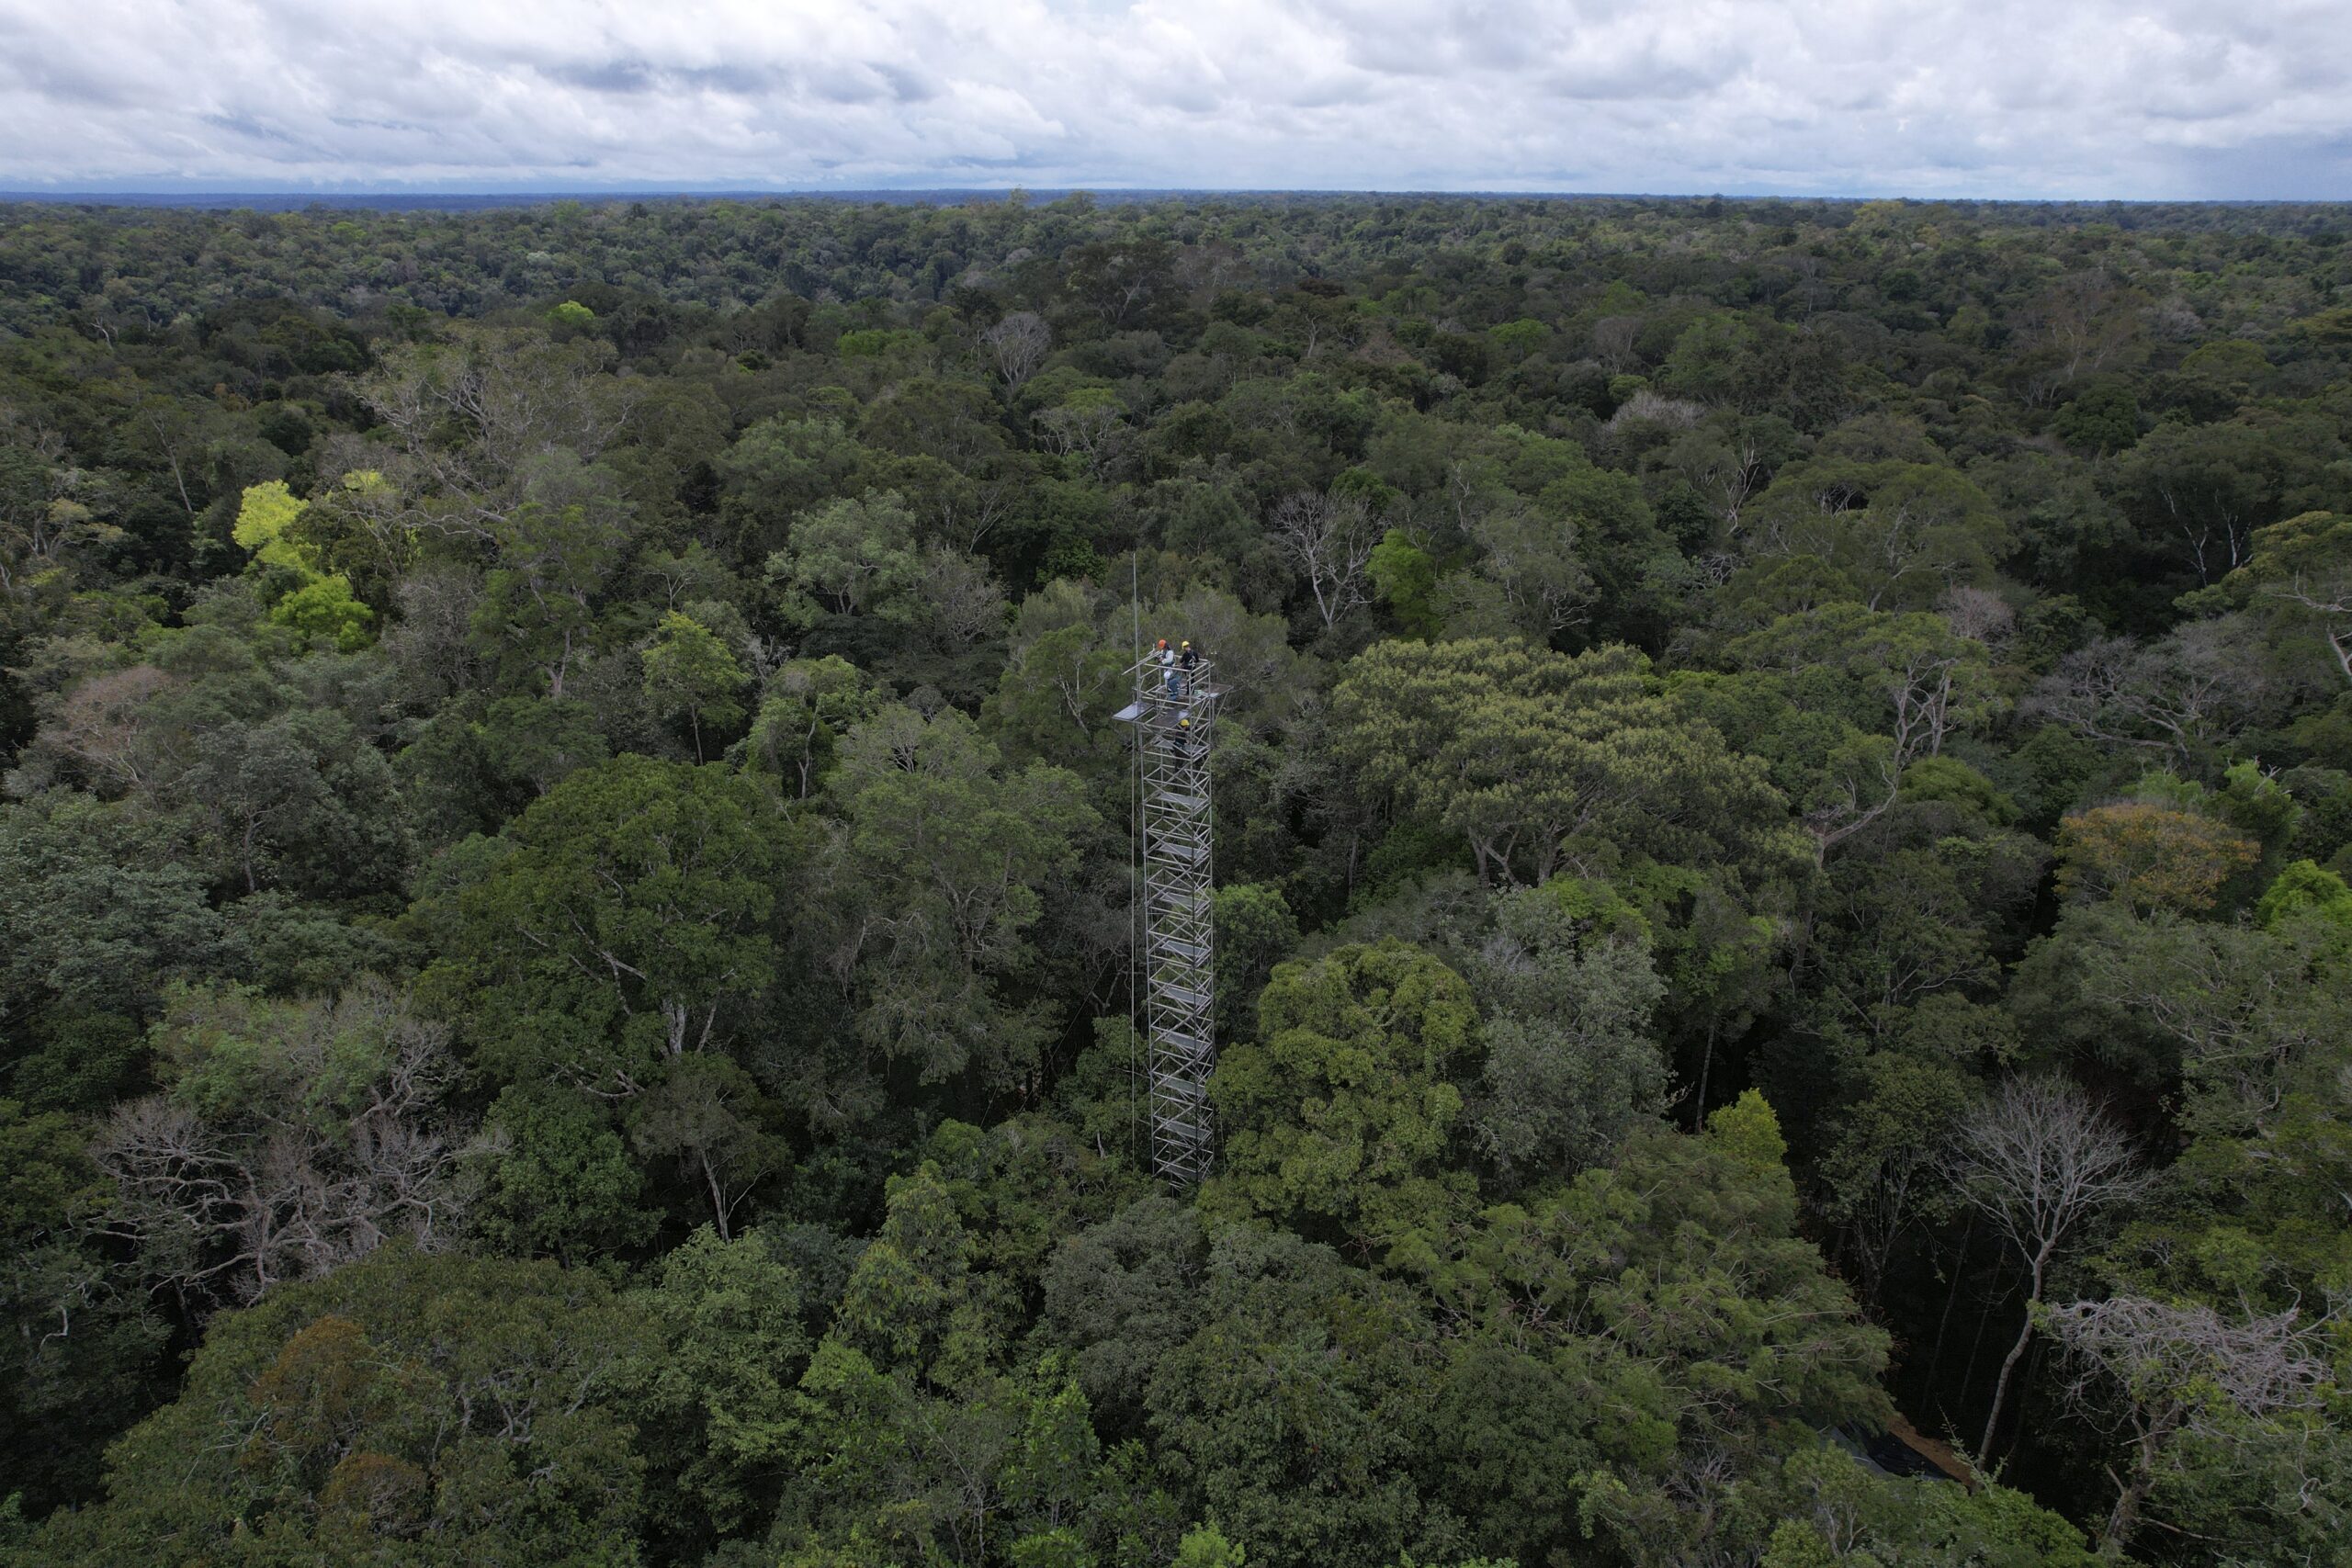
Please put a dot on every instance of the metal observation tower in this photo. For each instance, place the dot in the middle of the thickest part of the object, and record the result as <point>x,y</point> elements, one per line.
<point>1174,714</point>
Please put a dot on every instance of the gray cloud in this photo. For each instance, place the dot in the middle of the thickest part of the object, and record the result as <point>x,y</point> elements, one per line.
<point>608,77</point>
<point>1999,97</point>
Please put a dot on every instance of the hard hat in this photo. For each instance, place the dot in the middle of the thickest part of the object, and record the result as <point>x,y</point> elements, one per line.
<point>1188,642</point>
<point>1163,642</point>
<point>1185,722</point>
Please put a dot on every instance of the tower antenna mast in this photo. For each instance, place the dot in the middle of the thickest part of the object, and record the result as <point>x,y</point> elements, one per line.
<point>1174,714</point>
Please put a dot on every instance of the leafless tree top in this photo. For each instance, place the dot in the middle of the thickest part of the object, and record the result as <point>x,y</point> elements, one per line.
<point>2183,692</point>
<point>1329,539</point>
<point>2159,1352</point>
<point>1018,345</point>
<point>2036,1158</point>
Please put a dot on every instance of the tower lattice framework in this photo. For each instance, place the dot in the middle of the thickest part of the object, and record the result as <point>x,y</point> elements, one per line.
<point>1174,714</point>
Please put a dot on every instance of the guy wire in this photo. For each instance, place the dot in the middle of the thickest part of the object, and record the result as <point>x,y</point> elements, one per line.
<point>1134,838</point>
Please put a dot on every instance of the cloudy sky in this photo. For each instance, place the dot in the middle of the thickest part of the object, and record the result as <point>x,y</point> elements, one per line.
<point>2145,99</point>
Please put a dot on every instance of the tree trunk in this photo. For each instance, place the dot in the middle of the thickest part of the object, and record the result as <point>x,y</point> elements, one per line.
<point>1943,1322</point>
<point>2124,1519</point>
<point>718,1197</point>
<point>1706,1065</point>
<point>2009,1362</point>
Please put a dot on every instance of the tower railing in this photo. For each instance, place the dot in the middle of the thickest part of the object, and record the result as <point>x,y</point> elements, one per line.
<point>1175,714</point>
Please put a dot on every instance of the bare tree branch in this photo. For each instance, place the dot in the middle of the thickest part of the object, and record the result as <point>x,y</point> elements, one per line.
<point>1018,345</point>
<point>2038,1162</point>
<point>1329,539</point>
<point>2181,1372</point>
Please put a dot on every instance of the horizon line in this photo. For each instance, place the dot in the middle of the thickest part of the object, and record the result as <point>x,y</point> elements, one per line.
<point>296,195</point>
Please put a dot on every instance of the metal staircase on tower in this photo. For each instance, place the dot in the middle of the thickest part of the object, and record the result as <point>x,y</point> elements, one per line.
<point>1174,714</point>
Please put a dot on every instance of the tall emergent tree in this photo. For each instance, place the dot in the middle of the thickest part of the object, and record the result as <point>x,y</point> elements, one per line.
<point>2039,1163</point>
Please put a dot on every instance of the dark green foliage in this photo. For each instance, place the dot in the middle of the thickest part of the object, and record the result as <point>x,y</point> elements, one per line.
<point>559,1183</point>
<point>1338,1121</point>
<point>565,986</point>
<point>83,1350</point>
<point>450,1409</point>
<point>623,921</point>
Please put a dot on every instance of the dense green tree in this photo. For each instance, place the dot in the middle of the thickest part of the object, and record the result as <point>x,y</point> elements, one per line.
<point>714,1402</point>
<point>1905,533</point>
<point>537,615</point>
<point>1296,1409</point>
<point>847,558</point>
<point>1881,1174</point>
<point>689,671</point>
<point>1909,677</point>
<point>540,742</point>
<point>2295,572</point>
<point>445,1409</point>
<point>780,467</point>
<point>96,911</point>
<point>1837,1511</point>
<point>961,849</point>
<point>1565,990</point>
<point>622,921</point>
<point>1652,1308</point>
<point>806,707</point>
<point>907,1432</point>
<point>83,1344</point>
<point>1339,1119</point>
<point>1255,931</point>
<point>1536,759</point>
<point>299,801</point>
<point>556,1179</point>
<point>2199,491</point>
<point>1057,695</point>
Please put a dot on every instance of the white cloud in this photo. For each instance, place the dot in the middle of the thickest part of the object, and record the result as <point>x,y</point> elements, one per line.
<point>2001,97</point>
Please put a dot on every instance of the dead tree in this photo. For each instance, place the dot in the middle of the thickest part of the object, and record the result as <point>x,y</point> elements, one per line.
<point>1329,539</point>
<point>2165,1373</point>
<point>1018,345</point>
<point>2181,694</point>
<point>310,1169</point>
<point>2038,1162</point>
